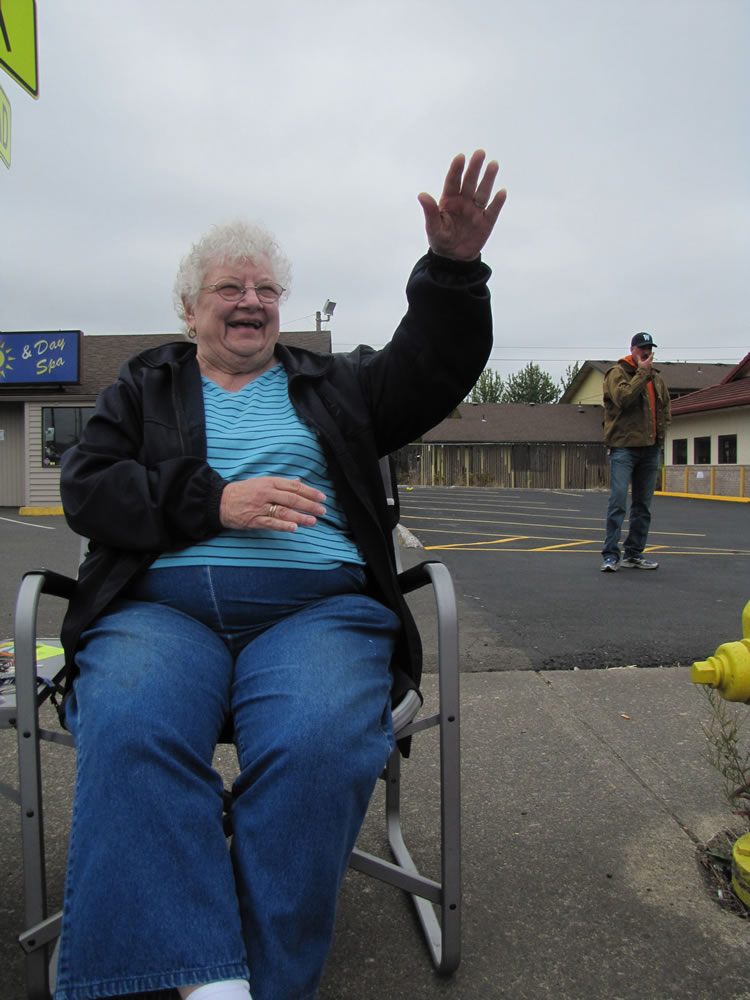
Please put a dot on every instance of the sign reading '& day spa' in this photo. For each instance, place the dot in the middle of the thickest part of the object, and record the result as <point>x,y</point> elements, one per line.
<point>40,357</point>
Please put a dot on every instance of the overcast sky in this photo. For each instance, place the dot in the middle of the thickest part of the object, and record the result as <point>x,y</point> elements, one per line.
<point>622,130</point>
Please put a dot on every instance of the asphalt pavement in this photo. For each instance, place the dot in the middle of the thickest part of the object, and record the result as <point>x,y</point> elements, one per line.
<point>586,795</point>
<point>527,562</point>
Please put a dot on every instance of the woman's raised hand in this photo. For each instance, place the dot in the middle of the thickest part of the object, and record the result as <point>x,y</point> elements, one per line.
<point>459,225</point>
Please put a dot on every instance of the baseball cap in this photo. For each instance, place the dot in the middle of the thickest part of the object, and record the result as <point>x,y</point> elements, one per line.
<point>642,340</point>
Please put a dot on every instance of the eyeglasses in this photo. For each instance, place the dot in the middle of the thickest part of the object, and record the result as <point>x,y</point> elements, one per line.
<point>232,291</point>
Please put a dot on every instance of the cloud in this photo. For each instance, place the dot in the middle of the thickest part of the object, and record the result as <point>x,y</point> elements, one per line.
<point>621,129</point>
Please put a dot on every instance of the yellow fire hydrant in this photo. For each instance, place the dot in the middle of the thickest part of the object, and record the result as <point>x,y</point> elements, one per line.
<point>728,671</point>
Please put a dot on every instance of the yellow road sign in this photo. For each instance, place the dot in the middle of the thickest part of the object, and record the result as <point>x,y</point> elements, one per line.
<point>18,55</point>
<point>4,128</point>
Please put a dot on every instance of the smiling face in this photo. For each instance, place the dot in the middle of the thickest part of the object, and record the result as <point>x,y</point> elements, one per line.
<point>235,339</point>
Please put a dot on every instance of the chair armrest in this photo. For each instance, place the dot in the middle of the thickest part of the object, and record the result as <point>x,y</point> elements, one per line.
<point>33,584</point>
<point>438,575</point>
<point>417,576</point>
<point>53,583</point>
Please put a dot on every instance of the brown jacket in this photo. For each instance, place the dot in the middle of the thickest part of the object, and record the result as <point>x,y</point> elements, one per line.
<point>628,420</point>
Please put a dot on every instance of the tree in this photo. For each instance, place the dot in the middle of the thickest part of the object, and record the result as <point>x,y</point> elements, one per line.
<point>567,379</point>
<point>488,389</point>
<point>530,385</point>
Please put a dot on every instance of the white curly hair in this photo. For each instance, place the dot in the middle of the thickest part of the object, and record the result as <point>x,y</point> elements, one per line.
<point>222,244</point>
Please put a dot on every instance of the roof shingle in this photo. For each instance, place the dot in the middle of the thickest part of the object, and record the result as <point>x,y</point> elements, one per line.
<point>681,376</point>
<point>733,390</point>
<point>501,423</point>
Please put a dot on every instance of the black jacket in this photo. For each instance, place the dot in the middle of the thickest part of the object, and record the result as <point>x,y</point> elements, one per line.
<point>138,484</point>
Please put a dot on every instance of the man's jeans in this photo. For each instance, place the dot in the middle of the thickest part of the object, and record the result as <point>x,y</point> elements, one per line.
<point>639,467</point>
<point>154,898</point>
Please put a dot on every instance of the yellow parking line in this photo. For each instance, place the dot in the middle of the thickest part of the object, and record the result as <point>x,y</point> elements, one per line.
<point>594,550</point>
<point>466,546</point>
<point>496,521</point>
<point>581,545</point>
<point>562,545</point>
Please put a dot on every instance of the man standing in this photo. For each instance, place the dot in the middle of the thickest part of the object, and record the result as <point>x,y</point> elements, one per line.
<point>636,413</point>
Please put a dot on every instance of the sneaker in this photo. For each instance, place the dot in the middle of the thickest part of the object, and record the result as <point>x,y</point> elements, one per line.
<point>610,564</point>
<point>638,562</point>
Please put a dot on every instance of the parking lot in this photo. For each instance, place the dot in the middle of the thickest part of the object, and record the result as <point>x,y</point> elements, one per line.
<point>526,565</point>
<point>526,568</point>
<point>551,521</point>
<point>585,792</point>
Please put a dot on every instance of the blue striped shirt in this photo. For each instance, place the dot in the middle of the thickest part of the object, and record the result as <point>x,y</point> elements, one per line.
<point>256,432</point>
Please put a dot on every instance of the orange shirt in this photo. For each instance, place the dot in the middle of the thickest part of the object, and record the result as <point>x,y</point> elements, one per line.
<point>650,393</point>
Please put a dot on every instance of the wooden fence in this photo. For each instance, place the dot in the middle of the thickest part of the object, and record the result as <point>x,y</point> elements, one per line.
<point>515,466</point>
<point>551,467</point>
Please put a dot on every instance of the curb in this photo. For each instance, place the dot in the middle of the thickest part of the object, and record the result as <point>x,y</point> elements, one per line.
<point>406,538</point>
<point>702,496</point>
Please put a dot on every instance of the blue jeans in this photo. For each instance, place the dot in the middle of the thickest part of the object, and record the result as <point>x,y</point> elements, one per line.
<point>154,899</point>
<point>636,467</point>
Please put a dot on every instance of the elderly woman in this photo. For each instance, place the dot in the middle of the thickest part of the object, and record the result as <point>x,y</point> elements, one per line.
<point>239,575</point>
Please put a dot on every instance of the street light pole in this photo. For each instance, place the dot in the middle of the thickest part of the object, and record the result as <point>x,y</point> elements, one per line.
<point>324,315</point>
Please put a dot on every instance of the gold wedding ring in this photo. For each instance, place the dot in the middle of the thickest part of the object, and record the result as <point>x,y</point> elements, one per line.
<point>272,510</point>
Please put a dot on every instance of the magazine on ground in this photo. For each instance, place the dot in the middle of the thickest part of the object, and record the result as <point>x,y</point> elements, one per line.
<point>44,651</point>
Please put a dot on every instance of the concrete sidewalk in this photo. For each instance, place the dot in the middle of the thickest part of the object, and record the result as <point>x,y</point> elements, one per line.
<point>585,794</point>
<point>580,832</point>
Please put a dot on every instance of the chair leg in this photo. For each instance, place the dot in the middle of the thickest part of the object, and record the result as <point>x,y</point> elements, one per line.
<point>450,826</point>
<point>443,936</point>
<point>450,765</point>
<point>29,774</point>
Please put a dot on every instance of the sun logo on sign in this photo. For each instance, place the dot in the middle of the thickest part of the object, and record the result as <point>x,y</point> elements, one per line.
<point>5,360</point>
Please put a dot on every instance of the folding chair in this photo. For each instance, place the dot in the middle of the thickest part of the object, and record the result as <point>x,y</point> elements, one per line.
<point>39,665</point>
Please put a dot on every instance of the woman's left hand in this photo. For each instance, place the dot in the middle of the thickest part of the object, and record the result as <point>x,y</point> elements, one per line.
<point>271,503</point>
<point>460,224</point>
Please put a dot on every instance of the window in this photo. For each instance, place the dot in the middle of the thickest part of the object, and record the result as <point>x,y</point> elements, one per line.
<point>702,451</point>
<point>679,451</point>
<point>62,427</point>
<point>727,449</point>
